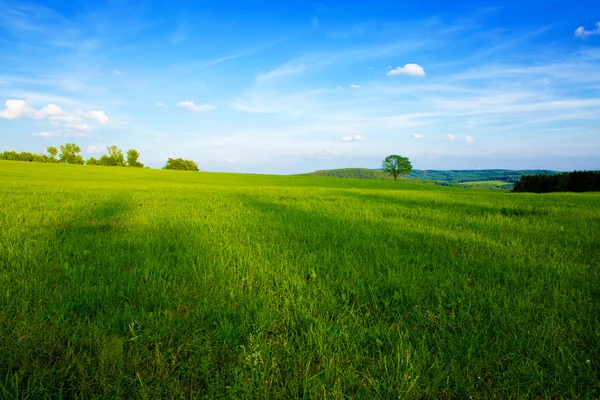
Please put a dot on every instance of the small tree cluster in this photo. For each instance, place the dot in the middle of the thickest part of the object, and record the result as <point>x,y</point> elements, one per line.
<point>577,181</point>
<point>181,164</point>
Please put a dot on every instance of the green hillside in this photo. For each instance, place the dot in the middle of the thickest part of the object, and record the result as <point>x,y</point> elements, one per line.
<point>356,173</point>
<point>121,283</point>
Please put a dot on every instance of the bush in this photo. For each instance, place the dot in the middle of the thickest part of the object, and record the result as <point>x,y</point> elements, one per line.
<point>181,164</point>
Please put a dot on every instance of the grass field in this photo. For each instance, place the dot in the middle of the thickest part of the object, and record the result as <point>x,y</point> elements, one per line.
<point>128,283</point>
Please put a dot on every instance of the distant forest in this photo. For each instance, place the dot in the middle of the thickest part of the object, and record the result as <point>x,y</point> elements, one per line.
<point>577,181</point>
<point>487,179</point>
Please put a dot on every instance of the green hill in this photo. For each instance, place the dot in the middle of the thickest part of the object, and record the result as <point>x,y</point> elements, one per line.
<point>487,179</point>
<point>127,283</point>
<point>356,173</point>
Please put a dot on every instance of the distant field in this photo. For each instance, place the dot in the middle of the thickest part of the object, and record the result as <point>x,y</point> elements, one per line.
<point>130,283</point>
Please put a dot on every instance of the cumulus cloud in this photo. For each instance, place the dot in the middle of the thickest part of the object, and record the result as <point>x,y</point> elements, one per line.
<point>190,105</point>
<point>416,136</point>
<point>18,109</point>
<point>160,104</point>
<point>451,137</point>
<point>581,32</point>
<point>408,69</point>
<point>97,116</point>
<point>353,86</point>
<point>73,122</point>
<point>353,138</point>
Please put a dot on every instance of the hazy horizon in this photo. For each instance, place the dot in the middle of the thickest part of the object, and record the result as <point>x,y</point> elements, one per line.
<point>293,87</point>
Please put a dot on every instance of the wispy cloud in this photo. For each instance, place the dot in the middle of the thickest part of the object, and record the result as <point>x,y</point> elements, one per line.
<point>581,32</point>
<point>353,138</point>
<point>353,86</point>
<point>416,136</point>
<point>408,69</point>
<point>160,104</point>
<point>190,105</point>
<point>284,70</point>
<point>450,136</point>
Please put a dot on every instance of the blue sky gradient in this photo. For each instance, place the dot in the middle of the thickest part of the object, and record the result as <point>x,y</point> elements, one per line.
<point>295,86</point>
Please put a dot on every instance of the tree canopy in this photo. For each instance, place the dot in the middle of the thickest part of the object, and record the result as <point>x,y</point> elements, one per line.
<point>69,154</point>
<point>396,165</point>
<point>181,164</point>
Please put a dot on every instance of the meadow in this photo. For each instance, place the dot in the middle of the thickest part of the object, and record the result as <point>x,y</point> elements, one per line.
<point>137,283</point>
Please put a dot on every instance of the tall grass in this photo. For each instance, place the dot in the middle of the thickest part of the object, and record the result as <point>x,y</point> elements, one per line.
<point>123,283</point>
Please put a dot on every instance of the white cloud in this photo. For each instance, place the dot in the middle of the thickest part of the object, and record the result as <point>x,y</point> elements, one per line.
<point>46,134</point>
<point>353,86</point>
<point>73,122</point>
<point>229,160</point>
<point>117,72</point>
<point>408,69</point>
<point>451,137</point>
<point>353,138</point>
<point>315,22</point>
<point>340,87</point>
<point>581,32</point>
<point>97,116</point>
<point>94,149</point>
<point>190,105</point>
<point>160,104</point>
<point>17,109</point>
<point>417,136</point>
<point>469,139</point>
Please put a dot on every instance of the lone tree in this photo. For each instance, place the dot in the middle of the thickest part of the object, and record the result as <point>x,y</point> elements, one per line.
<point>53,151</point>
<point>69,154</point>
<point>396,165</point>
<point>132,158</point>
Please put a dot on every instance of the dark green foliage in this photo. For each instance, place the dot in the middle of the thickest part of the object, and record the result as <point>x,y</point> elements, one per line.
<point>396,165</point>
<point>356,173</point>
<point>577,181</point>
<point>181,165</point>
<point>132,159</point>
<point>92,161</point>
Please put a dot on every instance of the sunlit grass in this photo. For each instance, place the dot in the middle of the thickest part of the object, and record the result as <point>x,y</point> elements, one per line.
<point>159,284</point>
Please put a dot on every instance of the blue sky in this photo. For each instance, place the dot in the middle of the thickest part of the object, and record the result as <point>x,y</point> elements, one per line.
<point>294,86</point>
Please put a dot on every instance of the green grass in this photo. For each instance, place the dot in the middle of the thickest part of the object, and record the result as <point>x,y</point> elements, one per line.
<point>127,283</point>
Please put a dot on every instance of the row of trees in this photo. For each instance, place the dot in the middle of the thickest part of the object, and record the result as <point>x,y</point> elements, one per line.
<point>577,181</point>
<point>69,154</point>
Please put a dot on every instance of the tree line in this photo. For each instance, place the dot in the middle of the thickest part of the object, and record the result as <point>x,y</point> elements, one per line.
<point>576,181</point>
<point>69,154</point>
